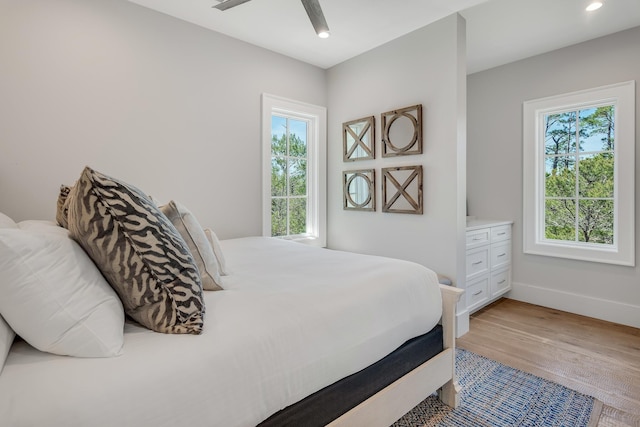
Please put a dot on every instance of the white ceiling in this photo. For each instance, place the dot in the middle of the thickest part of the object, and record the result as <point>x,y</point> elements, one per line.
<point>498,31</point>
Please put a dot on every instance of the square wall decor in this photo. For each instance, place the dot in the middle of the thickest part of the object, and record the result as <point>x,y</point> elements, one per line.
<point>359,190</point>
<point>402,131</point>
<point>402,189</point>
<point>358,139</point>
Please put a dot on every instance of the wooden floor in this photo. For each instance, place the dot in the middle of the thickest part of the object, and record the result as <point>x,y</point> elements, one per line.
<point>594,357</point>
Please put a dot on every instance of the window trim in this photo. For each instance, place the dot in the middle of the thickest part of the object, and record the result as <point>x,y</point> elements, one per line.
<point>316,165</point>
<point>622,252</point>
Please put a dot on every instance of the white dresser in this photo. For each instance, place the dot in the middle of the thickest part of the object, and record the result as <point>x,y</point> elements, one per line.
<point>488,261</point>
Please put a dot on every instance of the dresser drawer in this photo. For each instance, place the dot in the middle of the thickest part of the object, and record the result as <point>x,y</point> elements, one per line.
<point>500,254</point>
<point>500,233</point>
<point>477,261</point>
<point>477,292</point>
<point>478,237</point>
<point>488,261</point>
<point>500,282</point>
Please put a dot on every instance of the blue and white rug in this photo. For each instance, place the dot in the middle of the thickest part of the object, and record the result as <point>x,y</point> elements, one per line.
<point>495,395</point>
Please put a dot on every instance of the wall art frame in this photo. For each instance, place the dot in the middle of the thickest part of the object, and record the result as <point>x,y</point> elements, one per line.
<point>359,139</point>
<point>359,190</point>
<point>402,131</point>
<point>407,183</point>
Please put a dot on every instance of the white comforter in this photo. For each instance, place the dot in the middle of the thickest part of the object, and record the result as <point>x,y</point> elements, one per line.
<point>291,320</point>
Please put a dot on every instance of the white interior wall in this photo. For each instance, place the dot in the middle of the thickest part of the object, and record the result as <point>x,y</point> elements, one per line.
<point>494,171</point>
<point>163,104</point>
<point>424,67</point>
<point>174,109</point>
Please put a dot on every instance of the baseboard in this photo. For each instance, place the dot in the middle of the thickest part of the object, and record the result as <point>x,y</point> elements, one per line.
<point>462,323</point>
<point>612,311</point>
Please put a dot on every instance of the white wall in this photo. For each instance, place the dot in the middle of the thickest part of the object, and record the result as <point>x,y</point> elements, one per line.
<point>494,174</point>
<point>424,67</point>
<point>175,110</point>
<point>163,104</point>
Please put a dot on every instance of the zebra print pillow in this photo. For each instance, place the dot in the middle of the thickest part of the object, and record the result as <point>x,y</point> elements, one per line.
<point>139,251</point>
<point>63,205</point>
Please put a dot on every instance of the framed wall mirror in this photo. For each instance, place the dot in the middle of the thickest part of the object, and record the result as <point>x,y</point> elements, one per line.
<point>359,190</point>
<point>358,137</point>
<point>402,189</point>
<point>402,131</point>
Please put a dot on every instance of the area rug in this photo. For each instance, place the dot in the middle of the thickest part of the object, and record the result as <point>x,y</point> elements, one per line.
<point>495,395</point>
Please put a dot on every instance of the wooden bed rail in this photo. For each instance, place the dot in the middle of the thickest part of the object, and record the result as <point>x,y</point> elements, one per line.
<point>436,374</point>
<point>449,393</point>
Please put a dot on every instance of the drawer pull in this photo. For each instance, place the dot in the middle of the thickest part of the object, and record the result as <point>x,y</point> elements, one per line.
<point>502,254</point>
<point>475,239</point>
<point>502,281</point>
<point>476,293</point>
<point>477,263</point>
<point>502,234</point>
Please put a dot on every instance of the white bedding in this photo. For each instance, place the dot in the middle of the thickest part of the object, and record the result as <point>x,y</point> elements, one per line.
<point>291,320</point>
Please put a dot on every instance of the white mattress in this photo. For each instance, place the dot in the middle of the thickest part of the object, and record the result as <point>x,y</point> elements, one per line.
<point>291,320</point>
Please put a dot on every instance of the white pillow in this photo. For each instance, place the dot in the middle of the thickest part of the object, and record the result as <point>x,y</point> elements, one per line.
<point>6,339</point>
<point>37,225</point>
<point>217,250</point>
<point>6,222</point>
<point>54,297</point>
<point>201,250</point>
<point>6,333</point>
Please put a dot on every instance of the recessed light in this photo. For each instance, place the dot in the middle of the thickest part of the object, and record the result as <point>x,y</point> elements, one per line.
<point>594,6</point>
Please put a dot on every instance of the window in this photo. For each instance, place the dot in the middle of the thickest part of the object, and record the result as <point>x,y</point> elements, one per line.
<point>294,164</point>
<point>289,137</point>
<point>578,178</point>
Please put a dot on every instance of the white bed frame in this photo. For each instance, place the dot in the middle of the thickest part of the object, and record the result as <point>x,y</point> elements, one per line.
<point>436,374</point>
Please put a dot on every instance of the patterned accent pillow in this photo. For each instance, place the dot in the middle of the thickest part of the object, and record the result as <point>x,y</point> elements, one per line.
<point>193,234</point>
<point>139,251</point>
<point>62,211</point>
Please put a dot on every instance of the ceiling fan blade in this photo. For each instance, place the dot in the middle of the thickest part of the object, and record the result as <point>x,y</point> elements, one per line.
<point>228,4</point>
<point>316,16</point>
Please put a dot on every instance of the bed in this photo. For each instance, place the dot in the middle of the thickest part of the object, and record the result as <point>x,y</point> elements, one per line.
<point>298,336</point>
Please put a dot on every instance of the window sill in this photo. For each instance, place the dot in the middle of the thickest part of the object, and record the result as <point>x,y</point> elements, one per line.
<point>582,253</point>
<point>306,240</point>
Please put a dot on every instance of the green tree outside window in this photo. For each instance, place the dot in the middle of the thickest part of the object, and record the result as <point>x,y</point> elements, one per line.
<point>579,175</point>
<point>288,176</point>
